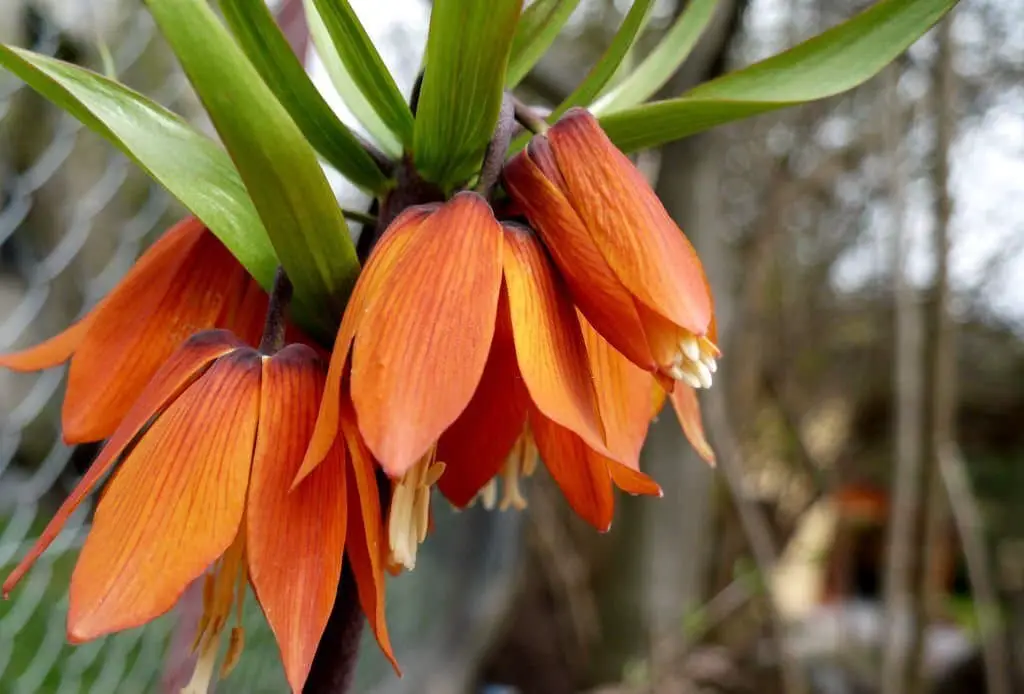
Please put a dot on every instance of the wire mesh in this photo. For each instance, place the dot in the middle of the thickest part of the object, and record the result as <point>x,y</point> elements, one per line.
<point>73,217</point>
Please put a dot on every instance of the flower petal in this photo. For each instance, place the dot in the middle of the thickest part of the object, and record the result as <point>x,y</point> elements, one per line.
<point>623,395</point>
<point>595,289</point>
<point>423,342</point>
<point>631,480</point>
<point>57,350</point>
<point>183,290</point>
<point>174,506</point>
<point>366,546</point>
<point>475,446</point>
<point>296,538</point>
<point>179,372</point>
<point>628,223</point>
<point>684,400</point>
<point>580,473</point>
<point>379,268</point>
<point>549,345</point>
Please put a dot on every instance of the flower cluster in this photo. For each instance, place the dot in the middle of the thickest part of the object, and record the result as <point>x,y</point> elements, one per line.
<point>474,344</point>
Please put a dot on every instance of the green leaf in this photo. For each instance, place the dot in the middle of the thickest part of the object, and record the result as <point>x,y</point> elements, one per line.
<point>467,54</point>
<point>364,67</point>
<point>661,63</point>
<point>538,28</point>
<point>192,167</point>
<point>346,87</point>
<point>606,66</point>
<point>277,164</point>
<point>261,39</point>
<point>833,62</point>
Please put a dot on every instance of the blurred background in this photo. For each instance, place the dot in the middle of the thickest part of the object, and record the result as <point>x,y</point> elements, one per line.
<point>864,529</point>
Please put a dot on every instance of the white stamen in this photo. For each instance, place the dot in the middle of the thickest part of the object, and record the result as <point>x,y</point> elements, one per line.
<point>690,348</point>
<point>710,363</point>
<point>409,517</point>
<point>702,372</point>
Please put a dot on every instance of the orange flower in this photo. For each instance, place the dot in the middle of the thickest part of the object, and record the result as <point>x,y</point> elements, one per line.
<point>411,349</point>
<point>185,282</point>
<point>553,386</point>
<point>458,331</point>
<point>630,270</point>
<point>210,450</point>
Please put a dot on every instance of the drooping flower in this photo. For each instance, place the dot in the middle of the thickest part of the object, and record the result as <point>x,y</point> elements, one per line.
<point>208,455</point>
<point>458,332</point>
<point>186,282</point>
<point>630,269</point>
<point>411,349</point>
<point>554,387</point>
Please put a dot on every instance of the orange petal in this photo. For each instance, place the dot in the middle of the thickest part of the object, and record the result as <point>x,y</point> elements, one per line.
<point>422,344</point>
<point>295,539</point>
<point>173,507</point>
<point>580,473</point>
<point>366,546</point>
<point>57,350</point>
<point>684,400</point>
<point>631,480</point>
<point>475,446</point>
<point>628,223</point>
<point>379,268</point>
<point>623,395</point>
<point>549,345</point>
<point>595,289</point>
<point>174,376</point>
<point>141,323</point>
<point>246,317</point>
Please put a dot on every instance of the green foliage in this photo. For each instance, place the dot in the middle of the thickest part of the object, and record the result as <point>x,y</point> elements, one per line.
<point>538,28</point>
<point>364,67</point>
<point>467,53</point>
<point>658,66</point>
<point>190,166</point>
<point>277,164</point>
<point>261,39</point>
<point>828,64</point>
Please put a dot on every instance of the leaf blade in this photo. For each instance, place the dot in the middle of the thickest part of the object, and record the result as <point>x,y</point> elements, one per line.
<point>538,27</point>
<point>660,64</point>
<point>828,64</point>
<point>604,69</point>
<point>201,175</point>
<point>276,163</point>
<point>267,48</point>
<point>365,67</point>
<point>467,56</point>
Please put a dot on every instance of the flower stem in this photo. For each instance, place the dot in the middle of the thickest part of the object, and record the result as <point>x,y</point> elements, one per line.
<point>273,327</point>
<point>357,216</point>
<point>335,661</point>
<point>529,118</point>
<point>497,148</point>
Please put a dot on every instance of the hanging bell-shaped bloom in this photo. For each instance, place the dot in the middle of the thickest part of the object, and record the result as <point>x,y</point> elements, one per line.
<point>186,282</point>
<point>630,269</point>
<point>206,458</point>
<point>554,387</point>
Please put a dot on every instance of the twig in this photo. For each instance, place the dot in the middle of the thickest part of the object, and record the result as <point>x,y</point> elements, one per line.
<point>497,148</point>
<point>970,527</point>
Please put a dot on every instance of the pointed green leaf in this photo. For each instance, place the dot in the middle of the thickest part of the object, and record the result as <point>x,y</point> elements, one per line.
<point>277,164</point>
<point>364,66</point>
<point>661,63</point>
<point>467,54</point>
<point>346,87</point>
<point>267,48</point>
<point>190,166</point>
<point>828,64</point>
<point>537,30</point>
<point>605,68</point>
